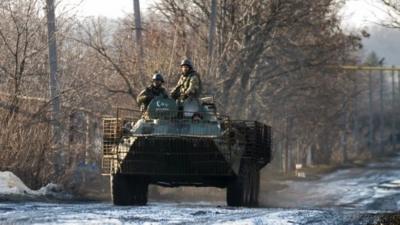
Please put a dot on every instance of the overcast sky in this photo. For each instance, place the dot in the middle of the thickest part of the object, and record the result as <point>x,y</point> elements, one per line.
<point>356,12</point>
<point>362,12</point>
<point>108,8</point>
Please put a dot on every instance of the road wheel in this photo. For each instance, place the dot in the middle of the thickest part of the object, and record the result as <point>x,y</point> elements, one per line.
<point>120,189</point>
<point>243,190</point>
<point>139,187</point>
<point>234,193</point>
<point>129,190</point>
<point>255,187</point>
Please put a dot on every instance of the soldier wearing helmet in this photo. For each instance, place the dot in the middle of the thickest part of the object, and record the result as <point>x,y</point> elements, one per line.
<point>154,90</point>
<point>189,84</point>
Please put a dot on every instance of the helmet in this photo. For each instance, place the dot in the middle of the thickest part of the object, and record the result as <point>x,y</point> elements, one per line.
<point>158,76</point>
<point>187,62</point>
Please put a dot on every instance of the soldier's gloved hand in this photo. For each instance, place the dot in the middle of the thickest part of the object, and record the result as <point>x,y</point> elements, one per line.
<point>150,97</point>
<point>173,95</point>
<point>186,95</point>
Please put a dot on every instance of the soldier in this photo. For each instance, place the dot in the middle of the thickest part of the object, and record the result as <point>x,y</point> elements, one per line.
<point>189,84</point>
<point>154,90</point>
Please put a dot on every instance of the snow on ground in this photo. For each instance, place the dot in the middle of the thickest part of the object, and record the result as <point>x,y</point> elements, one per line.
<point>11,185</point>
<point>374,187</point>
<point>156,213</point>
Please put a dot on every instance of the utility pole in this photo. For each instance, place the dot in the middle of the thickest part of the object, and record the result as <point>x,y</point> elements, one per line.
<point>345,127</point>
<point>288,147</point>
<point>398,103</point>
<point>355,118</point>
<point>370,121</point>
<point>138,31</point>
<point>398,88</point>
<point>393,132</point>
<point>211,33</point>
<point>54,88</point>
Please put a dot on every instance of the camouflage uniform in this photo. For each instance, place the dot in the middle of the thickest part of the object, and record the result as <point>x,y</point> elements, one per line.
<point>188,86</point>
<point>145,97</point>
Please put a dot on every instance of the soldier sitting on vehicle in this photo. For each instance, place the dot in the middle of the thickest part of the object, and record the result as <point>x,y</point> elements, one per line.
<point>154,90</point>
<point>189,84</point>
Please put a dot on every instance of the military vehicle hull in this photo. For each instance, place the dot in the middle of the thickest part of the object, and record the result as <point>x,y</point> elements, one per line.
<point>163,156</point>
<point>224,154</point>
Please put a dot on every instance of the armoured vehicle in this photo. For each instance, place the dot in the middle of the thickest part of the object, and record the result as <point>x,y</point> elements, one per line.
<point>183,144</point>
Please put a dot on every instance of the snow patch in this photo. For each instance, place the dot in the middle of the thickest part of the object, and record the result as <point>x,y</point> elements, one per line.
<point>275,218</point>
<point>391,185</point>
<point>10,184</point>
<point>396,182</point>
<point>51,190</point>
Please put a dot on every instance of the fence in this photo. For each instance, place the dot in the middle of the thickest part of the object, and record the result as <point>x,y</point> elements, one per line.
<point>388,89</point>
<point>370,123</point>
<point>181,145</point>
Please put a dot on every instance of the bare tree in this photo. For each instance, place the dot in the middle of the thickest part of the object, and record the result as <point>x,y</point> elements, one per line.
<point>392,10</point>
<point>25,134</point>
<point>272,59</point>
